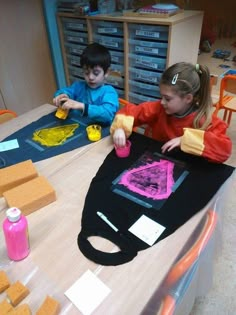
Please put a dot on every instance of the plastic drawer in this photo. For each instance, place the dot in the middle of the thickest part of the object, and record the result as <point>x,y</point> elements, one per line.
<point>76,37</point>
<point>72,79</point>
<point>147,89</point>
<point>117,57</point>
<point>145,76</point>
<point>112,28</point>
<point>117,69</point>
<point>74,24</point>
<point>73,49</point>
<point>149,31</point>
<point>147,62</point>
<point>76,72</point>
<point>148,47</point>
<point>110,42</point>
<point>73,60</point>
<point>121,93</point>
<point>115,81</point>
<point>137,98</point>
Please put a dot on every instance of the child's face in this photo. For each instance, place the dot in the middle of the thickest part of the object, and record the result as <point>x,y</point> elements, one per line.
<point>94,76</point>
<point>172,102</point>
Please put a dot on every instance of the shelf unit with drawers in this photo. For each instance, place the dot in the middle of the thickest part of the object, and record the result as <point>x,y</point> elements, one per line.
<point>141,48</point>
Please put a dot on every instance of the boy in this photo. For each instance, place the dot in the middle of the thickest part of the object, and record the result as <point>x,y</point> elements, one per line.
<point>92,97</point>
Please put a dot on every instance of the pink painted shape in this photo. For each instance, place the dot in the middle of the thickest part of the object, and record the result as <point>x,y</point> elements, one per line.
<point>154,180</point>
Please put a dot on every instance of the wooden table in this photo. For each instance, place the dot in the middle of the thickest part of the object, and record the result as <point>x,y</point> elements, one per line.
<point>53,232</point>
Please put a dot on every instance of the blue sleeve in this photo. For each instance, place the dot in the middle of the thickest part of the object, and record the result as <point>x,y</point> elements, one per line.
<point>106,110</point>
<point>72,90</point>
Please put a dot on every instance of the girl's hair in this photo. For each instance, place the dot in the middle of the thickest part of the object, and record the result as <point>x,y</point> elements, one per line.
<point>186,78</point>
<point>96,55</point>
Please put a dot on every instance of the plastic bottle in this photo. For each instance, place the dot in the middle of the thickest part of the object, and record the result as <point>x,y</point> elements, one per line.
<point>15,228</point>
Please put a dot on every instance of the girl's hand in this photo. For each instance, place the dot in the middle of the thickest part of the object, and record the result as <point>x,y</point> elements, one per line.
<point>171,144</point>
<point>119,138</point>
<point>57,100</point>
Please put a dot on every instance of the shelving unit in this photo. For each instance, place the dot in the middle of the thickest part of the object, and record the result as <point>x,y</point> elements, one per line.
<point>141,48</point>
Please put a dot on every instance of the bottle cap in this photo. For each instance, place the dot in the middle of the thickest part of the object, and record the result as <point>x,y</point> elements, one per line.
<point>13,214</point>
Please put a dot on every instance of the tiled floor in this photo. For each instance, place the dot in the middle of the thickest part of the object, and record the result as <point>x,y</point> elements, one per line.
<point>221,298</point>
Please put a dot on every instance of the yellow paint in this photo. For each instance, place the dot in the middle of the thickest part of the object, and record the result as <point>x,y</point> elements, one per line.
<point>62,113</point>
<point>54,136</point>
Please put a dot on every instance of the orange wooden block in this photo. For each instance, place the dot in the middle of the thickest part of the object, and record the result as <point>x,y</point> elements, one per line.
<point>22,309</point>
<point>5,307</point>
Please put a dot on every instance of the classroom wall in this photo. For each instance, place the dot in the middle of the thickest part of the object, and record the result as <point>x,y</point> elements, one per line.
<point>26,72</point>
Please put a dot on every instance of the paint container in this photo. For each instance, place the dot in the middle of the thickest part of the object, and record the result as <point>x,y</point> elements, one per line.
<point>123,152</point>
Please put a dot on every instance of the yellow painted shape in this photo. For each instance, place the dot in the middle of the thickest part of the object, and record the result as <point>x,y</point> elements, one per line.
<point>54,136</point>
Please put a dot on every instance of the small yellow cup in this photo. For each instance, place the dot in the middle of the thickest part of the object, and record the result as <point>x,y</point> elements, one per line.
<point>94,132</point>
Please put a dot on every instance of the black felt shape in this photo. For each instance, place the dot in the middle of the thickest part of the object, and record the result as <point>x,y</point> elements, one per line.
<point>201,184</point>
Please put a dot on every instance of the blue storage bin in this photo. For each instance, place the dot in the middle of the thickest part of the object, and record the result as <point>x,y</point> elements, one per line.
<point>117,57</point>
<point>147,62</point>
<point>115,81</point>
<point>137,98</point>
<point>76,72</point>
<point>149,31</point>
<point>148,47</point>
<point>74,24</point>
<point>151,90</point>
<point>73,60</point>
<point>110,42</point>
<point>73,49</point>
<point>145,76</point>
<point>112,28</point>
<point>76,37</point>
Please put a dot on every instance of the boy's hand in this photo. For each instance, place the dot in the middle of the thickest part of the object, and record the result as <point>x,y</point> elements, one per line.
<point>58,99</point>
<point>119,138</point>
<point>71,104</point>
<point>171,144</point>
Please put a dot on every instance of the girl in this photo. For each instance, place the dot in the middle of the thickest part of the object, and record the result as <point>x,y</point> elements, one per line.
<point>182,118</point>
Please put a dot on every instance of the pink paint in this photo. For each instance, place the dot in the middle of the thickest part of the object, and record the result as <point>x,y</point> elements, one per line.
<point>154,180</point>
<point>15,229</point>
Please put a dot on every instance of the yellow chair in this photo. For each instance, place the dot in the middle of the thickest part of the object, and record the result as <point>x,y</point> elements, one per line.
<point>6,114</point>
<point>227,98</point>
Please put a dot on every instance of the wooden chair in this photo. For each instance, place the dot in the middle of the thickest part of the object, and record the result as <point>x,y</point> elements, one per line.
<point>180,276</point>
<point>227,98</point>
<point>6,114</point>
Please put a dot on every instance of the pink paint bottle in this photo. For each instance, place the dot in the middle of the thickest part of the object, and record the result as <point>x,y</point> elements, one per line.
<point>15,228</point>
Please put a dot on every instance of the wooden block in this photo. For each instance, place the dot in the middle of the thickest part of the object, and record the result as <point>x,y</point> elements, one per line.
<point>31,196</point>
<point>4,281</point>
<point>17,292</point>
<point>5,307</point>
<point>17,174</point>
<point>50,306</point>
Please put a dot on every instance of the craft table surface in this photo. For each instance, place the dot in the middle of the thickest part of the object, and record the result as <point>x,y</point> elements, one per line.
<point>53,230</point>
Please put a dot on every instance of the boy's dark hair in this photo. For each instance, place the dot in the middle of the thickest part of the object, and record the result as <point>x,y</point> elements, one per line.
<point>96,55</point>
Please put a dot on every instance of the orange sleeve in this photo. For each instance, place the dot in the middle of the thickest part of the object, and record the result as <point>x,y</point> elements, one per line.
<point>132,115</point>
<point>212,144</point>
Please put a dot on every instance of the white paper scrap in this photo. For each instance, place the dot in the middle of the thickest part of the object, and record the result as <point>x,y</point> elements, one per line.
<point>87,292</point>
<point>147,230</point>
<point>9,145</point>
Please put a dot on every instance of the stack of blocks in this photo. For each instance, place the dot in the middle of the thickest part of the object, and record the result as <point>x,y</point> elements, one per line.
<point>22,187</point>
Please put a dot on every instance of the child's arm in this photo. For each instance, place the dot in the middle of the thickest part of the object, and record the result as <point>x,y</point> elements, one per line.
<point>135,115</point>
<point>212,144</point>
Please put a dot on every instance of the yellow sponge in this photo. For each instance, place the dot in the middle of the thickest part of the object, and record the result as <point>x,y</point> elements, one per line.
<point>50,306</point>
<point>17,292</point>
<point>31,196</point>
<point>5,307</point>
<point>16,174</point>
<point>4,281</point>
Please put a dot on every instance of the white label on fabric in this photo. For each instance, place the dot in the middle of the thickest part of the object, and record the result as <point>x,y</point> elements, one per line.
<point>147,230</point>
